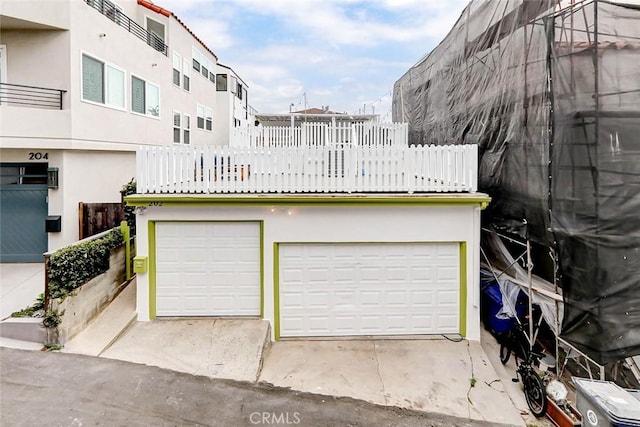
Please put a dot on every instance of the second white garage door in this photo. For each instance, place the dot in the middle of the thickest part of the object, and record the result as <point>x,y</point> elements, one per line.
<point>369,289</point>
<point>207,269</point>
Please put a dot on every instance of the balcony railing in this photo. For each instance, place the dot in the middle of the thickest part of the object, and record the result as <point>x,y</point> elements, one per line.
<point>342,168</point>
<point>113,12</point>
<point>314,134</point>
<point>31,96</point>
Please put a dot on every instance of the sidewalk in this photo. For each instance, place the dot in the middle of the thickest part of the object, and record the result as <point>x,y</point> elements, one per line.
<point>20,285</point>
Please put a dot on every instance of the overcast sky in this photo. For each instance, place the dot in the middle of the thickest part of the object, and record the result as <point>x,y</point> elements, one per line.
<point>340,53</point>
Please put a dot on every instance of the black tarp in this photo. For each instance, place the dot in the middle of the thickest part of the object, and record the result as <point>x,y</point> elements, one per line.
<point>551,94</point>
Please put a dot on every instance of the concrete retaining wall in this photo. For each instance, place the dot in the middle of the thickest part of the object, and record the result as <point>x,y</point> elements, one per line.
<point>88,301</point>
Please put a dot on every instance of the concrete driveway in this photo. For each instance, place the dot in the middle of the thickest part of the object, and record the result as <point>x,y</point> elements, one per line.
<point>432,375</point>
<point>453,378</point>
<point>215,347</point>
<point>20,285</point>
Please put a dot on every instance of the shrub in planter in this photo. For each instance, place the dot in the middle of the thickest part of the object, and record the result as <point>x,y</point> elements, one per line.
<point>73,266</point>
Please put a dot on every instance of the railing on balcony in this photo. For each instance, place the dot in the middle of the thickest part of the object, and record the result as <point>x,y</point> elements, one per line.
<point>312,134</point>
<point>30,96</point>
<point>344,168</point>
<point>114,13</point>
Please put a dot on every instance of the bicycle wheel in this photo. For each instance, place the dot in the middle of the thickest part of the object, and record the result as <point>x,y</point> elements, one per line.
<point>505,353</point>
<point>534,393</point>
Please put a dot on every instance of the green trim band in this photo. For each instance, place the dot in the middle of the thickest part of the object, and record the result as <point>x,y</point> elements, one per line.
<point>276,290</point>
<point>159,200</point>
<point>152,269</point>
<point>463,289</point>
<point>124,229</point>
<point>261,269</point>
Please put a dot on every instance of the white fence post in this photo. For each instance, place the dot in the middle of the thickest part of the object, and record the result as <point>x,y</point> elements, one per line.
<point>141,170</point>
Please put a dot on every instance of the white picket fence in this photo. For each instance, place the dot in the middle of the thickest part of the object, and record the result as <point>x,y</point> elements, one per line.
<point>316,169</point>
<point>315,134</point>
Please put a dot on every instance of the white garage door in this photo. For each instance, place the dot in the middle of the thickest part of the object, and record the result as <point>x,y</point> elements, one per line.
<point>207,269</point>
<point>369,289</point>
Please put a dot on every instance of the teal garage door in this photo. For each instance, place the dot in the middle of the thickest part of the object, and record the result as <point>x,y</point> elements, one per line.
<point>23,211</point>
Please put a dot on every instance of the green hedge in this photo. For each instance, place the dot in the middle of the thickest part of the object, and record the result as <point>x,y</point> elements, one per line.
<point>73,266</point>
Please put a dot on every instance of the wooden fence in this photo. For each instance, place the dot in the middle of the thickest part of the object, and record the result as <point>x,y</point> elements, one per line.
<point>311,169</point>
<point>94,218</point>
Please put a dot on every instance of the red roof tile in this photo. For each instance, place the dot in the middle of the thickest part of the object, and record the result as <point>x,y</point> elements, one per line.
<point>168,13</point>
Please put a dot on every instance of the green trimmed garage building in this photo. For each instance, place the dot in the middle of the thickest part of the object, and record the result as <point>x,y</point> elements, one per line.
<point>328,265</point>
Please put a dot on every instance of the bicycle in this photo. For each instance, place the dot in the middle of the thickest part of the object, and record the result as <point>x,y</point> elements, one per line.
<point>516,341</point>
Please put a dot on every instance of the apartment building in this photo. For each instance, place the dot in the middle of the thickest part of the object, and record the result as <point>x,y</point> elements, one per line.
<point>83,83</point>
<point>233,110</point>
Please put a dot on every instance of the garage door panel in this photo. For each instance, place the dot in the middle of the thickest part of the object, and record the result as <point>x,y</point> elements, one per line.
<point>371,298</point>
<point>422,321</point>
<point>422,298</point>
<point>194,303</point>
<point>293,301</point>
<point>207,269</point>
<point>172,302</point>
<point>397,298</point>
<point>369,289</point>
<point>447,323</point>
<point>447,298</point>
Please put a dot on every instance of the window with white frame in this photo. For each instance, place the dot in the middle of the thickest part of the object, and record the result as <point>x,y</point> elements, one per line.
<point>205,117</point>
<point>208,119</point>
<point>102,83</point>
<point>186,76</point>
<point>177,68</point>
<point>186,129</point>
<point>203,65</point>
<point>209,72</point>
<point>145,97</point>
<point>205,68</point>
<point>177,126</point>
<point>197,59</point>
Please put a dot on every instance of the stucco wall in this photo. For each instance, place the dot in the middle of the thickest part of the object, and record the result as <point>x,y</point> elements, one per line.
<point>90,177</point>
<point>37,58</point>
<point>89,125</point>
<point>99,37</point>
<point>324,223</point>
<point>43,13</point>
